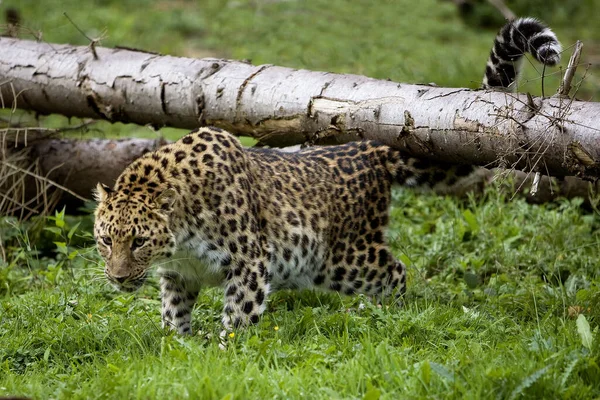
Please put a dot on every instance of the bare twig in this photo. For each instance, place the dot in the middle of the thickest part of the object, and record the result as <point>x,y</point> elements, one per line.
<point>93,42</point>
<point>506,12</point>
<point>565,85</point>
<point>535,184</point>
<point>13,20</point>
<point>38,133</point>
<point>45,180</point>
<point>3,253</point>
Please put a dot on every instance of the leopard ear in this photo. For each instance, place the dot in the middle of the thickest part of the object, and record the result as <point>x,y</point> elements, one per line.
<point>102,192</point>
<point>165,200</point>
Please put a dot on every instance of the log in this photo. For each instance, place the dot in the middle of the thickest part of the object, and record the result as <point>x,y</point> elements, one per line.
<point>81,164</point>
<point>62,172</point>
<point>282,106</point>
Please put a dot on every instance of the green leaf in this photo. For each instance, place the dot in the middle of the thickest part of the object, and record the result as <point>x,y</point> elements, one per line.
<point>47,354</point>
<point>72,231</point>
<point>568,371</point>
<point>53,229</point>
<point>113,367</point>
<point>372,392</point>
<point>512,239</point>
<point>61,247</point>
<point>471,220</point>
<point>426,372</point>
<point>442,371</point>
<point>527,382</point>
<point>471,279</point>
<point>583,328</point>
<point>59,218</point>
<point>405,260</point>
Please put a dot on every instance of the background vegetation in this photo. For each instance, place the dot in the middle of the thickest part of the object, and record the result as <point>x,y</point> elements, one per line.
<point>503,296</point>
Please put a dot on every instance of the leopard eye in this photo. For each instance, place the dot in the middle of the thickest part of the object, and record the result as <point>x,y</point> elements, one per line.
<point>138,242</point>
<point>107,240</point>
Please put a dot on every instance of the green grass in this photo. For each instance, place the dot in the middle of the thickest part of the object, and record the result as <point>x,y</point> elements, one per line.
<point>486,316</point>
<point>495,286</point>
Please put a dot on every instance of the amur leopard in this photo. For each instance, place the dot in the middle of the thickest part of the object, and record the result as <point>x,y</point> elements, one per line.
<point>210,212</point>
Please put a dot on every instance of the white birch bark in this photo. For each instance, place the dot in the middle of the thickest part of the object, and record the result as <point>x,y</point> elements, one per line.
<point>283,106</point>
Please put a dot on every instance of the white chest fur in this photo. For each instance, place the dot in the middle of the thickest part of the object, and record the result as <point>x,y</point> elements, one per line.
<point>198,266</point>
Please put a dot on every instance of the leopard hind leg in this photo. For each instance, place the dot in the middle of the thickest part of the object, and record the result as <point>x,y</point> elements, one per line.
<point>372,271</point>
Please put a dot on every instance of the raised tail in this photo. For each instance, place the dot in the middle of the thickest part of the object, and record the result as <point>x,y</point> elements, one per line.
<point>514,39</point>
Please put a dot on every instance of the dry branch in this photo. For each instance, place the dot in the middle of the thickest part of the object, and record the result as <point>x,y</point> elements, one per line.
<point>565,85</point>
<point>506,12</point>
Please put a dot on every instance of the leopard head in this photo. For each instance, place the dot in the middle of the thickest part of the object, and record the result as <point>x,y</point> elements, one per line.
<point>132,232</point>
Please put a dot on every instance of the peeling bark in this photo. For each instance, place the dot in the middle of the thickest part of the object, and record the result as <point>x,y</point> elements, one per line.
<point>282,106</point>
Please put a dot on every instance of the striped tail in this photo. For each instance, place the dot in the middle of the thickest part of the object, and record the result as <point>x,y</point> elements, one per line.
<point>514,39</point>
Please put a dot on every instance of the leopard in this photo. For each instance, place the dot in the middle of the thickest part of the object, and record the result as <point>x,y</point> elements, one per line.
<point>255,220</point>
<point>208,211</point>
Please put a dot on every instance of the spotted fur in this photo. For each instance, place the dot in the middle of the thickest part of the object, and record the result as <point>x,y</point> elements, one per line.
<point>211,212</point>
<point>523,35</point>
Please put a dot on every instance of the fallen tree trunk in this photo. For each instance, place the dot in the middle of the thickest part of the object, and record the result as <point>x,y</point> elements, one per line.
<point>49,172</point>
<point>282,106</point>
<point>81,164</point>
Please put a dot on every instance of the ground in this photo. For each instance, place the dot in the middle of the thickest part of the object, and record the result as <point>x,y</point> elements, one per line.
<point>502,299</point>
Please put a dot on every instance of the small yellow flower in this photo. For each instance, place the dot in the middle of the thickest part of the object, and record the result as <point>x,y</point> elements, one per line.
<point>232,335</point>
<point>276,328</point>
<point>89,316</point>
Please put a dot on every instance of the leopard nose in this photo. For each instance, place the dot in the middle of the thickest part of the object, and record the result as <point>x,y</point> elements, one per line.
<point>121,279</point>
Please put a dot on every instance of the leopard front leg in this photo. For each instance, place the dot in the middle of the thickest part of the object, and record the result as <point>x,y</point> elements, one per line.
<point>246,291</point>
<point>178,299</point>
